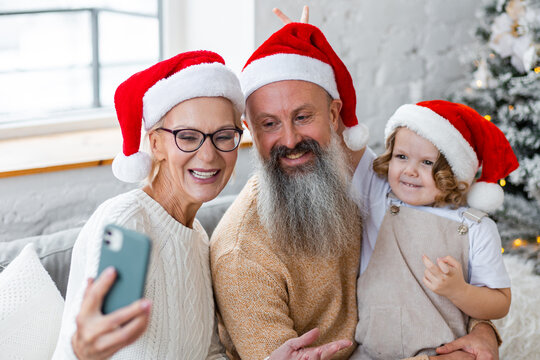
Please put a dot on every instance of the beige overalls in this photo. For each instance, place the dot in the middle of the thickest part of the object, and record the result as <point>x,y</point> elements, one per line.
<point>399,316</point>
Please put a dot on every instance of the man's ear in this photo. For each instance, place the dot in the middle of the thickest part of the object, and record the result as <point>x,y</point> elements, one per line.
<point>335,108</point>
<point>156,145</point>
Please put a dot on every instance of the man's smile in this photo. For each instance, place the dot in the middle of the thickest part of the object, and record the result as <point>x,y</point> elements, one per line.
<point>295,155</point>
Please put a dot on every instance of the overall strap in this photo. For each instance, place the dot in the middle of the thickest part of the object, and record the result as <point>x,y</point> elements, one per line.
<point>474,215</point>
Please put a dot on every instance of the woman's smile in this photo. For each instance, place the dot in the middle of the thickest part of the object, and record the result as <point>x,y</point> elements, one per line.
<point>205,176</point>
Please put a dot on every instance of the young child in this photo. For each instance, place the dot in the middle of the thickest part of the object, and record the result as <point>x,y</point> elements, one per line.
<point>428,261</point>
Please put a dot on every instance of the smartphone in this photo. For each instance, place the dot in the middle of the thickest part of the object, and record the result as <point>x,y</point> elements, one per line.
<point>128,252</point>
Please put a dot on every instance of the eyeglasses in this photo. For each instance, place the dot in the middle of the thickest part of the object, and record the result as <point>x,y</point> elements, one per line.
<point>190,140</point>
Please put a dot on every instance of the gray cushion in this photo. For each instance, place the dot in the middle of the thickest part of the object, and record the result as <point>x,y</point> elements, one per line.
<point>54,250</point>
<point>211,212</point>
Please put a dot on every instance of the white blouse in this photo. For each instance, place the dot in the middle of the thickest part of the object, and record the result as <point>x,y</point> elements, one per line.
<point>486,266</point>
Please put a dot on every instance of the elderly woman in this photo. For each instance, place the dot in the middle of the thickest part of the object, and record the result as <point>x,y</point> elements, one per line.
<point>190,106</point>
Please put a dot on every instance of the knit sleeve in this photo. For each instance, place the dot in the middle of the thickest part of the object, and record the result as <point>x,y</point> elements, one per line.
<point>84,264</point>
<point>252,305</point>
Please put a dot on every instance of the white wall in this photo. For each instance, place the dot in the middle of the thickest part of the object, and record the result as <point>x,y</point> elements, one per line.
<point>226,27</point>
<point>397,51</point>
<point>45,203</point>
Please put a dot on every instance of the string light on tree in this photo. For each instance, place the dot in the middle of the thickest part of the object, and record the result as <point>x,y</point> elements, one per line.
<point>519,243</point>
<point>504,83</point>
<point>504,86</point>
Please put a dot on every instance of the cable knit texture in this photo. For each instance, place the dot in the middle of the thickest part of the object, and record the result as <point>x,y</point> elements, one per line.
<point>182,322</point>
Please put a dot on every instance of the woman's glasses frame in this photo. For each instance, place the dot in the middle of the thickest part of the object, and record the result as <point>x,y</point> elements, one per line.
<point>205,135</point>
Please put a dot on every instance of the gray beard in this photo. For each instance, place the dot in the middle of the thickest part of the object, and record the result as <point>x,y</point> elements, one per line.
<point>309,212</point>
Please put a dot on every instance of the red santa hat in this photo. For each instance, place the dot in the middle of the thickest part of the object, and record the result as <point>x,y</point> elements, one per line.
<point>467,140</point>
<point>148,95</point>
<point>300,51</point>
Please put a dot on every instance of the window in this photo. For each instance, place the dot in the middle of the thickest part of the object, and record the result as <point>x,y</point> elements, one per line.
<point>64,59</point>
<point>50,83</point>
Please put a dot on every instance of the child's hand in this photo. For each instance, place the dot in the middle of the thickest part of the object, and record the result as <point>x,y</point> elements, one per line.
<point>445,278</point>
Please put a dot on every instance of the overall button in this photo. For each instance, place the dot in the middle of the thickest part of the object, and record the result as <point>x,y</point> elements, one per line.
<point>394,209</point>
<point>462,229</point>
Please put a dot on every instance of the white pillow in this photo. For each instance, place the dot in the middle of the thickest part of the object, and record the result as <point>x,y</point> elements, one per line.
<point>30,309</point>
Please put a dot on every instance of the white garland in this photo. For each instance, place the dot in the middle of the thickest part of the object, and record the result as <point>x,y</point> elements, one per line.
<point>511,35</point>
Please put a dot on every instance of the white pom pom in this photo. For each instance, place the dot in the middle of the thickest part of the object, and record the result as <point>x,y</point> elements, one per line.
<point>485,196</point>
<point>356,137</point>
<point>133,168</point>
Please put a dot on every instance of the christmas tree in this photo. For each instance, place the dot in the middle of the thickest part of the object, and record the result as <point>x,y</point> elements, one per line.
<point>505,88</point>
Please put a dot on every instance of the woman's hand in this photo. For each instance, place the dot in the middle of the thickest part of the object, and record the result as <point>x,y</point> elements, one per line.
<point>99,336</point>
<point>294,349</point>
<point>286,20</point>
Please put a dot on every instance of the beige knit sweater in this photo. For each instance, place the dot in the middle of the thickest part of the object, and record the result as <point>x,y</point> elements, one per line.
<point>265,297</point>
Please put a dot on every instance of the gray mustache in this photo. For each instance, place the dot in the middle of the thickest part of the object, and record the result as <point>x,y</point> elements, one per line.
<point>278,152</point>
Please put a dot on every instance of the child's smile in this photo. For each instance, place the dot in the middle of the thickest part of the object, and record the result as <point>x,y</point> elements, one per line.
<point>410,172</point>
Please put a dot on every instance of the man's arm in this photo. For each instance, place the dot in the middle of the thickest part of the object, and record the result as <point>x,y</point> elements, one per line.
<point>481,344</point>
<point>252,304</point>
<point>482,341</point>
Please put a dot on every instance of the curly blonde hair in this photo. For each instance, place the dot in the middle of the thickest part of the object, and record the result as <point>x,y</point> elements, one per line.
<point>453,191</point>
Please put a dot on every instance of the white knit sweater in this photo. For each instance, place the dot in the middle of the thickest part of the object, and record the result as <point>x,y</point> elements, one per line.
<point>182,322</point>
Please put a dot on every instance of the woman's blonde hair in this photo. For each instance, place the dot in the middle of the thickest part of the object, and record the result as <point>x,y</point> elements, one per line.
<point>146,146</point>
<point>453,191</point>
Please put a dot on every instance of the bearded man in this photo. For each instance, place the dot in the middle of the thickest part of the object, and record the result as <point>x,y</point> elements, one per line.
<point>285,256</point>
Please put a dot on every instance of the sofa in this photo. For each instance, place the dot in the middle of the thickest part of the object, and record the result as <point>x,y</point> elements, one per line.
<point>518,329</point>
<point>54,250</point>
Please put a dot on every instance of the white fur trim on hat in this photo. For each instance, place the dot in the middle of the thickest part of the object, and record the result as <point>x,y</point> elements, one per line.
<point>133,168</point>
<point>356,137</point>
<point>281,67</point>
<point>441,133</point>
<point>485,196</point>
<point>200,80</point>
